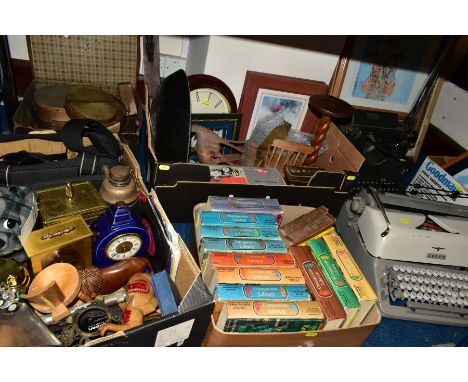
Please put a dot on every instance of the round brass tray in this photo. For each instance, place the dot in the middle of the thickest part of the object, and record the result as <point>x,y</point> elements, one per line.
<point>49,106</point>
<point>87,102</point>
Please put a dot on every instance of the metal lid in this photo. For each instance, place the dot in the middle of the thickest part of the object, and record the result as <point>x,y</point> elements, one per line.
<point>119,175</point>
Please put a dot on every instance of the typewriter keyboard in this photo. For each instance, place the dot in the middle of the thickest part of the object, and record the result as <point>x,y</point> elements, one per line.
<point>429,287</point>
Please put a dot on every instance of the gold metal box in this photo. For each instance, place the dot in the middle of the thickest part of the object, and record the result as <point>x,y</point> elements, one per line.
<point>61,202</point>
<point>67,242</point>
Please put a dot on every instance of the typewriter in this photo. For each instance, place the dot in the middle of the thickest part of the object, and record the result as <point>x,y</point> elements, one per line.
<point>414,253</point>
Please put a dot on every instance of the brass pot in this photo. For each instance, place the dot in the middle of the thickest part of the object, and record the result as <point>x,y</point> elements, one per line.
<point>118,185</point>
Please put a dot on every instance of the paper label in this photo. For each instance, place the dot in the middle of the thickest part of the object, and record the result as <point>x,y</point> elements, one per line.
<point>176,334</point>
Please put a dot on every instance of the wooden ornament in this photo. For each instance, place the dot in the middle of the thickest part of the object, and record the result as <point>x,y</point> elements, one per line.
<point>53,289</point>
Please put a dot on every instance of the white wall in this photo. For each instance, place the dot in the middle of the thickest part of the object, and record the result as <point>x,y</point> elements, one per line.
<point>451,113</point>
<point>228,58</point>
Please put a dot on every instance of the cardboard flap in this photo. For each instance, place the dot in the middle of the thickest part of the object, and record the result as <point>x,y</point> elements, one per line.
<point>184,270</point>
<point>190,284</point>
<point>341,154</point>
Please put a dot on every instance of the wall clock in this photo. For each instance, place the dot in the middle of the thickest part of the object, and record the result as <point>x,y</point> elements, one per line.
<point>209,94</point>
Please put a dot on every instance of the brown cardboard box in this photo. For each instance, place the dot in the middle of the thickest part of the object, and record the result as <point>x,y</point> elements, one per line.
<point>338,337</point>
<point>188,326</point>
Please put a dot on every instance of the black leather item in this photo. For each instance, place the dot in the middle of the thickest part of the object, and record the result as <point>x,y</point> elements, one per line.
<point>104,150</point>
<point>170,116</point>
<point>7,87</point>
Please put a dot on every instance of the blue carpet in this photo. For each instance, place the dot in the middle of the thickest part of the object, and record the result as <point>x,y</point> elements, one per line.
<point>390,332</point>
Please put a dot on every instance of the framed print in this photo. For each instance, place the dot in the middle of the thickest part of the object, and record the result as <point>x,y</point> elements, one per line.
<point>274,96</point>
<point>385,72</point>
<point>226,125</point>
<point>395,74</point>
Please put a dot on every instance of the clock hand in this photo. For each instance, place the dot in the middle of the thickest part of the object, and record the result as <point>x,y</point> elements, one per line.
<point>205,101</point>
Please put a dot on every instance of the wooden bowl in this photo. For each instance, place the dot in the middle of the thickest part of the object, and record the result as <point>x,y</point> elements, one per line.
<point>54,288</point>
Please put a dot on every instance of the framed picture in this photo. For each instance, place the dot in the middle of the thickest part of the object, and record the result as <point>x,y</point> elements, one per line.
<point>226,125</point>
<point>273,96</point>
<point>395,74</point>
<point>385,72</point>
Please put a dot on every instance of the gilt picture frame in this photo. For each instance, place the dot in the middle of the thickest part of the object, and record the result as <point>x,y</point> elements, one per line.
<point>265,94</point>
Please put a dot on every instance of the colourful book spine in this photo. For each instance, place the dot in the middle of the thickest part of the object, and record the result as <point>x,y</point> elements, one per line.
<point>353,275</point>
<point>262,276</point>
<point>237,259</point>
<point>269,317</point>
<point>244,219</point>
<point>232,232</point>
<point>226,292</point>
<point>318,286</point>
<point>253,205</point>
<point>335,279</point>
<point>209,244</point>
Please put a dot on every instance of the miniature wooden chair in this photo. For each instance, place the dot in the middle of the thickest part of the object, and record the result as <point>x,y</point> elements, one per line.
<point>282,152</point>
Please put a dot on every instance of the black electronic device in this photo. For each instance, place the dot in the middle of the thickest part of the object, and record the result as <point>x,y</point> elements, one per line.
<point>384,125</point>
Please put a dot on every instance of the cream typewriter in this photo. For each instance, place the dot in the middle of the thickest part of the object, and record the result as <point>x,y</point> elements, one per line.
<point>413,251</point>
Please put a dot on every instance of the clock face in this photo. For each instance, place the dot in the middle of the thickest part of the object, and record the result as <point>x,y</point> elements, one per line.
<point>206,100</point>
<point>124,246</point>
<point>210,95</point>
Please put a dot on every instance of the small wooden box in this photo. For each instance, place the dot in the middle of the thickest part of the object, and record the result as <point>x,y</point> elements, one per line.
<point>68,242</point>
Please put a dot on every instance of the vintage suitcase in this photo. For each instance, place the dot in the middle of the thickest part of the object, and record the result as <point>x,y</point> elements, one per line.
<point>76,62</point>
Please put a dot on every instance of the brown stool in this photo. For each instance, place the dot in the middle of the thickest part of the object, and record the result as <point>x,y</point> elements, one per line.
<point>329,107</point>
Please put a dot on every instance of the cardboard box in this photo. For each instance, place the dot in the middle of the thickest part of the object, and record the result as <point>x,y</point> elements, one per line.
<point>338,337</point>
<point>188,326</point>
<point>296,201</point>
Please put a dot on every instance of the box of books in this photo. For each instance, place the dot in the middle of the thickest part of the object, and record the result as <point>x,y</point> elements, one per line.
<point>294,203</point>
